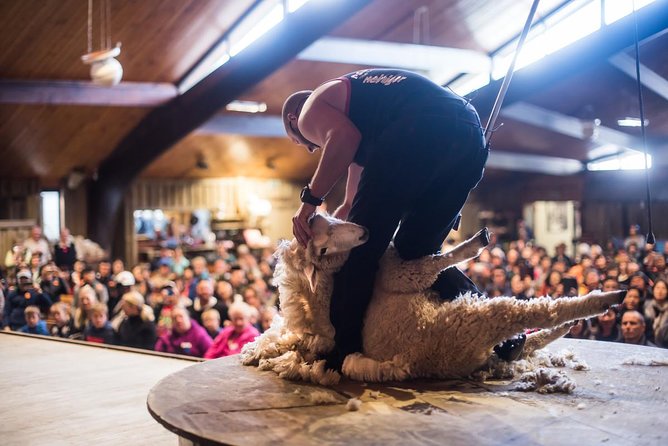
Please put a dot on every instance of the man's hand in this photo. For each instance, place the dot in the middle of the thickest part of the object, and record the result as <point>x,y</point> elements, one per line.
<point>342,211</point>
<point>300,223</point>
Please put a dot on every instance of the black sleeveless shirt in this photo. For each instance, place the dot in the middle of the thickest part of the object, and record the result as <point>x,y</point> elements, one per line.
<point>379,97</point>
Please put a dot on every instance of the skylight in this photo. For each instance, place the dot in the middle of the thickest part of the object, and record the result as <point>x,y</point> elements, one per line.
<point>571,23</point>
<point>626,161</point>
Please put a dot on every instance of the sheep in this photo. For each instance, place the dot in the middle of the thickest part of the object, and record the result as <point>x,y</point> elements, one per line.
<point>408,332</point>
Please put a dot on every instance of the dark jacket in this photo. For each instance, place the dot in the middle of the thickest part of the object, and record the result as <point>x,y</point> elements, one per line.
<point>65,331</point>
<point>104,335</point>
<point>64,258</point>
<point>17,301</point>
<point>136,332</point>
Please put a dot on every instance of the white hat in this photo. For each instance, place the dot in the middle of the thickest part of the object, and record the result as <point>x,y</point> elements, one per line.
<point>125,278</point>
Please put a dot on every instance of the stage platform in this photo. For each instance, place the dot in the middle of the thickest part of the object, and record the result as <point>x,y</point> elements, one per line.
<point>65,393</point>
<point>223,402</point>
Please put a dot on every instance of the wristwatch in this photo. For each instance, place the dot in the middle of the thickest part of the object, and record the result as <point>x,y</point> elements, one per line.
<point>306,197</point>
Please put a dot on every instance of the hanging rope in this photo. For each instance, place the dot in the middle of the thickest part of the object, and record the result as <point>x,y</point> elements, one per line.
<point>509,75</point>
<point>650,233</point>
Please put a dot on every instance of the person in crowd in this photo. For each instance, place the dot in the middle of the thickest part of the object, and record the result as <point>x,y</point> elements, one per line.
<point>551,284</point>
<point>580,330</point>
<point>37,244</point>
<point>76,273</point>
<point>211,322</point>
<point>99,329</point>
<point>560,255</point>
<point>89,279</point>
<point>135,325</point>
<point>267,317</point>
<point>35,268</point>
<point>34,324</point>
<point>64,252</point>
<point>224,293</point>
<point>632,300</point>
<point>87,299</point>
<point>204,300</point>
<point>592,281</point>
<point>123,282</point>
<point>233,337</point>
<point>610,284</point>
<point>633,329</point>
<point>180,262</point>
<point>24,296</point>
<point>238,279</point>
<point>186,336</point>
<point>606,327</point>
<point>104,274</point>
<point>656,309</point>
<point>170,298</point>
<point>52,284</point>
<point>200,272</point>
<point>63,325</point>
<point>499,285</point>
<point>634,237</point>
<point>162,275</point>
<point>117,266</point>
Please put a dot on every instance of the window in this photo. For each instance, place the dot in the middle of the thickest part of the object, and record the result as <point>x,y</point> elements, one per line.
<point>50,213</point>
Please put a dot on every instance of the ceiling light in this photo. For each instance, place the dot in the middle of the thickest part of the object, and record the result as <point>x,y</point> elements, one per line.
<point>631,122</point>
<point>246,106</point>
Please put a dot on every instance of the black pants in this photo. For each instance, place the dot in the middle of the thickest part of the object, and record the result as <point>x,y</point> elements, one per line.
<point>417,177</point>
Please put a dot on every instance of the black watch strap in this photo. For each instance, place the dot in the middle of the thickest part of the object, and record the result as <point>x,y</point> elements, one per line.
<point>306,197</point>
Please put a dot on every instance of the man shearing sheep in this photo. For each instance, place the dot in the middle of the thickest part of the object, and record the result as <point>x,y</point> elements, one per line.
<point>413,151</point>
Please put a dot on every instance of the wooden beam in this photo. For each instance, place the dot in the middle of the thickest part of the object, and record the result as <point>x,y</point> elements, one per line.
<point>167,124</point>
<point>648,78</point>
<point>125,94</point>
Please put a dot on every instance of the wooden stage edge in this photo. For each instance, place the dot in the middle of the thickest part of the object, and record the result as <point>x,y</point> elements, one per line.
<point>59,392</point>
<point>223,402</point>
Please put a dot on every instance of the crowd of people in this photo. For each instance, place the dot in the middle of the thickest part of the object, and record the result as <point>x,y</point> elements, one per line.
<point>211,308</point>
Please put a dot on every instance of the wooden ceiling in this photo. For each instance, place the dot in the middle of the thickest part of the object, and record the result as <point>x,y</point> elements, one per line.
<point>162,40</point>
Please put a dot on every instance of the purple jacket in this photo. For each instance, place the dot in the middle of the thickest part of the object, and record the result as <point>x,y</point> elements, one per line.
<point>228,342</point>
<point>194,342</point>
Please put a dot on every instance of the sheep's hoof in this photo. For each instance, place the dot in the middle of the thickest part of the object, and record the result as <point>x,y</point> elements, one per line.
<point>511,349</point>
<point>483,237</point>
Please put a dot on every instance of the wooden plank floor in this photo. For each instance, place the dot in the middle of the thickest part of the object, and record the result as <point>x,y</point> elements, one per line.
<point>223,402</point>
<point>56,393</point>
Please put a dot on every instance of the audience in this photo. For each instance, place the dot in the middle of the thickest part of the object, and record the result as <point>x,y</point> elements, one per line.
<point>186,336</point>
<point>233,337</point>
<point>210,307</point>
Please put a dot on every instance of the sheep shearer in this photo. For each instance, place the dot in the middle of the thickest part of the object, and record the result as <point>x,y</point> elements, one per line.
<point>413,151</point>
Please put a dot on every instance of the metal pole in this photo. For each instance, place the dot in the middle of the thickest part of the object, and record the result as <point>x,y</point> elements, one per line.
<point>509,75</point>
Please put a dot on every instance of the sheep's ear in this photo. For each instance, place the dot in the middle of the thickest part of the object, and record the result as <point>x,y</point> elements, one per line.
<point>311,276</point>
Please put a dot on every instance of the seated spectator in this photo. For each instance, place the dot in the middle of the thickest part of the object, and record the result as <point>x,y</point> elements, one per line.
<point>170,298</point>
<point>499,285</point>
<point>632,300</point>
<point>205,300</point>
<point>64,252</point>
<point>581,330</point>
<point>34,324</point>
<point>99,329</point>
<point>37,244</point>
<point>22,297</point>
<point>186,336</point>
<point>88,278</point>
<point>63,326</point>
<point>123,282</point>
<point>162,275</point>
<point>233,337</point>
<point>87,298</point>
<point>656,309</point>
<point>211,322</point>
<point>267,317</point>
<point>52,284</point>
<point>180,262</point>
<point>518,287</point>
<point>610,284</point>
<point>605,326</point>
<point>633,329</point>
<point>550,287</point>
<point>134,324</point>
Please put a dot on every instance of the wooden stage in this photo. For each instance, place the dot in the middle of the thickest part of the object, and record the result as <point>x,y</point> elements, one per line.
<point>223,402</point>
<point>65,393</point>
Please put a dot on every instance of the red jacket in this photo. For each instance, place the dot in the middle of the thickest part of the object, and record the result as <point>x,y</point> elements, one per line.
<point>228,342</point>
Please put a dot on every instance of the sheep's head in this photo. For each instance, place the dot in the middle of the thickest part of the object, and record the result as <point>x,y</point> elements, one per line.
<point>329,246</point>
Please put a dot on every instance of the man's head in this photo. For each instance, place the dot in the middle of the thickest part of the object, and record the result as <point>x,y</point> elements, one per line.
<point>24,279</point>
<point>180,320</point>
<point>36,233</point>
<point>204,289</point>
<point>211,319</point>
<point>292,108</point>
<point>633,327</point>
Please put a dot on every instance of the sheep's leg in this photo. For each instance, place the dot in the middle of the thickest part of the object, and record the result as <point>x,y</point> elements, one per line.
<point>361,368</point>
<point>509,316</point>
<point>541,338</point>
<point>420,274</point>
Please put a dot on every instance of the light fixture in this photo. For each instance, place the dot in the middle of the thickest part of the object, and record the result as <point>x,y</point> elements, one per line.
<point>630,160</point>
<point>631,122</point>
<point>104,68</point>
<point>246,106</point>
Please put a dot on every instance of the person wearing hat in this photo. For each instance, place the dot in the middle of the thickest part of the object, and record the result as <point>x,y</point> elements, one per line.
<point>122,282</point>
<point>23,296</point>
<point>135,326</point>
<point>413,151</point>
